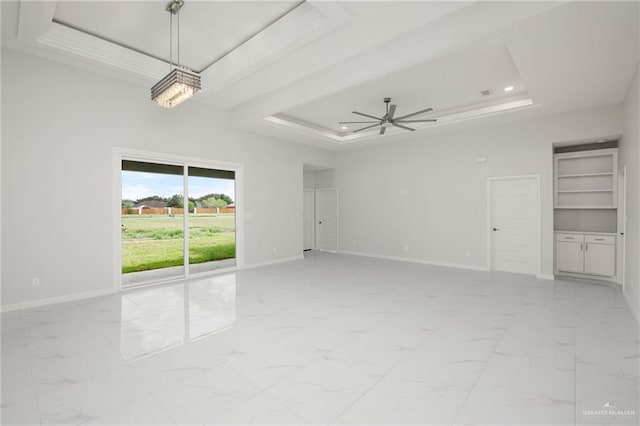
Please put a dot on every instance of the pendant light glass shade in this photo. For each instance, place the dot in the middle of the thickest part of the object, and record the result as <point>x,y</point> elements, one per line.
<point>176,87</point>
<point>181,83</point>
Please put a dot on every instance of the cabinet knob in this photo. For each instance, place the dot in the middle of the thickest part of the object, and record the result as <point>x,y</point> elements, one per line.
<point>496,229</point>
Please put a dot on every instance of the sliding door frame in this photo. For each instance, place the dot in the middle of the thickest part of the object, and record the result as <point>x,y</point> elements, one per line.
<point>120,154</point>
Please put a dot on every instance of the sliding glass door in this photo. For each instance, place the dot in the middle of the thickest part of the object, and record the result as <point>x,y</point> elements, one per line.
<point>212,220</point>
<point>175,215</point>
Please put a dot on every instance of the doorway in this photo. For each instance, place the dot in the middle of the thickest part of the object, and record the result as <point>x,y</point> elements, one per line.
<point>622,224</point>
<point>308,229</point>
<point>514,224</point>
<point>327,219</point>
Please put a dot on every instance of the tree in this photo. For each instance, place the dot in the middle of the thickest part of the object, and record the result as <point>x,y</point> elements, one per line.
<point>176,200</point>
<point>127,204</point>
<point>151,198</point>
<point>224,197</point>
<point>214,203</point>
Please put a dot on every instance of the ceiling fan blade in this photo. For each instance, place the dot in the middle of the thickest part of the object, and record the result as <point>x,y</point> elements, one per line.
<point>382,130</point>
<point>354,122</point>
<point>392,110</point>
<point>365,128</point>
<point>415,113</point>
<point>416,121</point>
<point>403,127</point>
<point>366,115</point>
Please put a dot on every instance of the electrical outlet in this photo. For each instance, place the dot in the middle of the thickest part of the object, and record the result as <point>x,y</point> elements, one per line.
<point>354,243</point>
<point>275,249</point>
<point>468,253</point>
<point>36,282</point>
<point>406,247</point>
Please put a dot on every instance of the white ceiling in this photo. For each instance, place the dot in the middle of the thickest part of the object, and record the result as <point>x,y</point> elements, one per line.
<point>294,70</point>
<point>208,30</point>
<point>442,84</point>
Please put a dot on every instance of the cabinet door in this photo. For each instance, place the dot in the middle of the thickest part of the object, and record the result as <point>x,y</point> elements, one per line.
<point>569,257</point>
<point>600,259</point>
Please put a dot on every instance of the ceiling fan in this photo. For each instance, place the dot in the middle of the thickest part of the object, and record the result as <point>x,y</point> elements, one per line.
<point>388,121</point>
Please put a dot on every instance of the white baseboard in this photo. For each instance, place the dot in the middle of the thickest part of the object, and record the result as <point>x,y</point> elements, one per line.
<point>57,299</point>
<point>545,277</point>
<point>89,294</point>
<point>634,309</point>
<point>421,261</point>
<point>272,262</point>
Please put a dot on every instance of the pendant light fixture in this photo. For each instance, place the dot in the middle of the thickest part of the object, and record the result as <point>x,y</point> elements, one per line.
<point>181,83</point>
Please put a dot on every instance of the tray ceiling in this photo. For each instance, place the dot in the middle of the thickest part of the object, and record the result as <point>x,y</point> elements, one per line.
<point>294,69</point>
<point>208,29</point>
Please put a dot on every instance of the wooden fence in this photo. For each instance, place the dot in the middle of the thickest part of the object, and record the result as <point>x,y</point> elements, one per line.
<point>174,210</point>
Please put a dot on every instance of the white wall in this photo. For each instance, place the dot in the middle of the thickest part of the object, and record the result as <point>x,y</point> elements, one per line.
<point>319,178</point>
<point>325,179</point>
<point>59,127</point>
<point>309,179</point>
<point>444,211</point>
<point>629,155</point>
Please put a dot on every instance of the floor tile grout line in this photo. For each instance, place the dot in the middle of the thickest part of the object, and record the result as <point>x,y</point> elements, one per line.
<point>260,392</point>
<point>33,380</point>
<point>489,359</point>
<point>317,360</point>
<point>575,359</point>
<point>266,389</point>
<point>385,375</point>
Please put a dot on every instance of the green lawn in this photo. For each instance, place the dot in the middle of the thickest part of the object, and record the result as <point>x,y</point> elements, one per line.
<point>154,242</point>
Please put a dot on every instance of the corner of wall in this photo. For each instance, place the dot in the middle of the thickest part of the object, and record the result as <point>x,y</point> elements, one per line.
<point>635,310</point>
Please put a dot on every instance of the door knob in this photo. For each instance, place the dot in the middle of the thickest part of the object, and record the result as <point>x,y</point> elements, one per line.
<point>320,222</point>
<point>496,229</point>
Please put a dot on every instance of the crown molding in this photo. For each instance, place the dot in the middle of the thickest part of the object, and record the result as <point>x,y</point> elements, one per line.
<point>62,38</point>
<point>446,117</point>
<point>305,23</point>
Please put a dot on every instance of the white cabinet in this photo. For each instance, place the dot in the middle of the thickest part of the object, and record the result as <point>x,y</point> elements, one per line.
<point>590,254</point>
<point>586,179</point>
<point>600,255</point>
<point>570,253</point>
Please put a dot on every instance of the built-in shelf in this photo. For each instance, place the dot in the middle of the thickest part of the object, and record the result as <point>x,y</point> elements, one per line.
<point>585,175</point>
<point>586,179</point>
<point>586,207</point>
<point>585,190</point>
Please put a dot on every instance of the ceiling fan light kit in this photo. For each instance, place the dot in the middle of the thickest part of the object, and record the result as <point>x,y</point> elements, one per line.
<point>388,119</point>
<point>181,83</point>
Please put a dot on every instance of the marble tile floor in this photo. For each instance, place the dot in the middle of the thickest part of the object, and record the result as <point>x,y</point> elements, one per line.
<point>331,339</point>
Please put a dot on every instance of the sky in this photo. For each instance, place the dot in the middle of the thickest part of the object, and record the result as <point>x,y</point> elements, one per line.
<point>136,185</point>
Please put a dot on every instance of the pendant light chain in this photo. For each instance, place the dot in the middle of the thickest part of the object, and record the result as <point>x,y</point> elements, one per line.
<point>178,18</point>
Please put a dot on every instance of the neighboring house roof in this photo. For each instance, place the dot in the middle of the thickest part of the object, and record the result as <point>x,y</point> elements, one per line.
<point>151,204</point>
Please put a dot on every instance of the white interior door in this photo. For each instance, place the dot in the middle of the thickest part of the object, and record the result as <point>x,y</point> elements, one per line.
<point>327,219</point>
<point>514,224</point>
<point>308,218</point>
